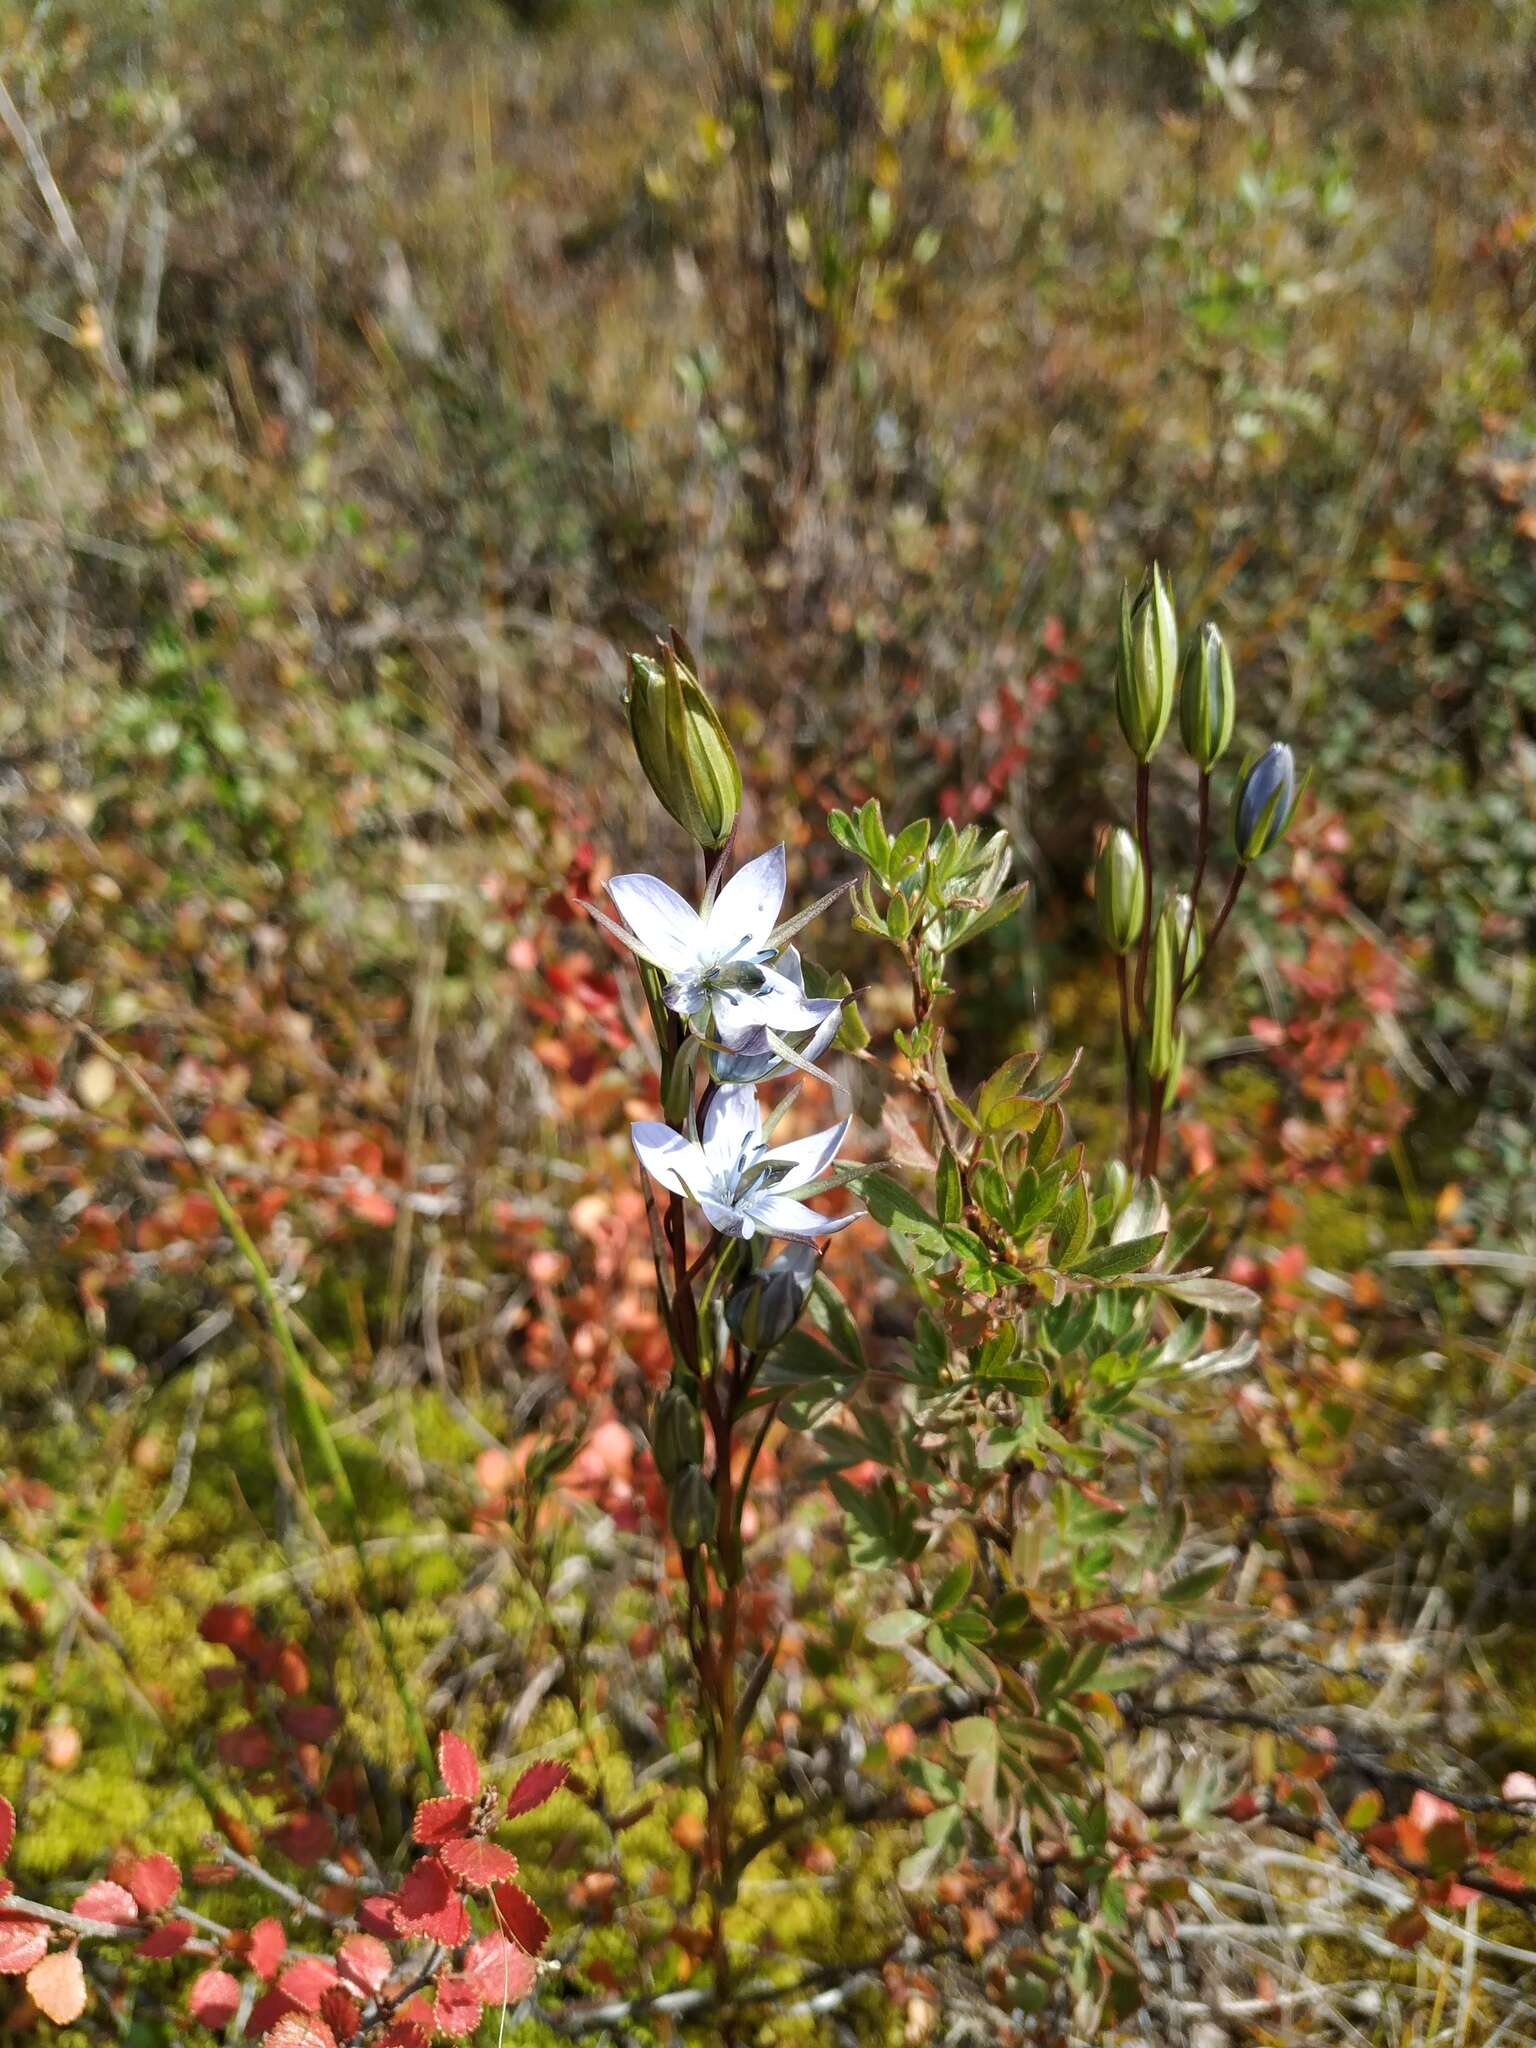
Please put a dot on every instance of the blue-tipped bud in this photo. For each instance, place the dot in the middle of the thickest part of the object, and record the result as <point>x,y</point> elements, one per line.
<point>1148,668</point>
<point>1266,802</point>
<point>765,1305</point>
<point>1120,891</point>
<point>1207,699</point>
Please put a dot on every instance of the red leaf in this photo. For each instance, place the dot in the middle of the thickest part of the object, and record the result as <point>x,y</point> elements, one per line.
<point>154,1882</point>
<point>500,1970</point>
<point>214,1998</point>
<point>310,1722</point>
<point>267,1946</point>
<point>7,1828</point>
<point>271,2007</point>
<point>307,1981</point>
<point>232,1626</point>
<point>105,1900</point>
<point>478,1863</point>
<point>167,1940</point>
<point>403,2034</point>
<point>247,1748</point>
<point>441,1820</point>
<point>341,2013</point>
<point>378,1916</point>
<point>427,1904</point>
<point>364,1962</point>
<point>301,2030</point>
<point>520,1917</point>
<point>23,1942</point>
<point>456,1761</point>
<point>56,1986</point>
<point>458,2008</point>
<point>305,1837</point>
<point>538,1783</point>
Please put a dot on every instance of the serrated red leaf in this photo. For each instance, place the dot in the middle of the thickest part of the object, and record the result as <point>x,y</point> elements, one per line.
<point>154,1882</point>
<point>23,1942</point>
<point>214,1998</point>
<point>441,1820</point>
<point>268,1945</point>
<point>378,1916</point>
<point>538,1783</point>
<point>458,1764</point>
<point>7,1828</point>
<point>105,1900</point>
<point>364,1961</point>
<point>500,1970</point>
<point>267,2011</point>
<point>301,2030</point>
<point>307,1981</point>
<point>403,2034</point>
<point>341,2013</point>
<point>520,1917</point>
<point>56,1987</point>
<point>458,2008</point>
<point>477,1863</point>
<point>167,1940</point>
<point>428,1904</point>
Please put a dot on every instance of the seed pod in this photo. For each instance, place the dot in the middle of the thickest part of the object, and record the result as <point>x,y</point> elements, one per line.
<point>1266,802</point>
<point>677,1431</point>
<point>682,746</point>
<point>1207,699</point>
<point>1120,891</point>
<point>692,1508</point>
<point>765,1305</point>
<point>1148,666</point>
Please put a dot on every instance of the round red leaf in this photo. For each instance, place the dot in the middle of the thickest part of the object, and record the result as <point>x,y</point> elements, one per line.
<point>23,1942</point>
<point>56,1986</point>
<point>520,1917</point>
<point>458,2008</point>
<point>154,1882</point>
<point>166,1940</point>
<point>301,2030</point>
<point>364,1962</point>
<point>538,1783</point>
<point>214,1998</point>
<point>456,1761</point>
<point>341,2013</point>
<point>478,1863</point>
<point>500,1970</point>
<point>441,1820</point>
<point>427,1904</point>
<point>378,1916</point>
<point>307,1981</point>
<point>105,1900</point>
<point>267,1945</point>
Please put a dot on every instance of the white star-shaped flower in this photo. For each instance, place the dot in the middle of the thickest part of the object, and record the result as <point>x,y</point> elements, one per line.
<point>743,1185</point>
<point>725,968</point>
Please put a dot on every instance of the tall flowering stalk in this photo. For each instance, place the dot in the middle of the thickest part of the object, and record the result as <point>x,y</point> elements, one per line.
<point>727,998</point>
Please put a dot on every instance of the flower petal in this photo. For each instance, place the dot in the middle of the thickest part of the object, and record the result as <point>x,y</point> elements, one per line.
<point>809,1158</point>
<point>669,1157</point>
<point>733,1128</point>
<point>752,1057</point>
<point>782,1216</point>
<point>747,908</point>
<point>667,930</point>
<point>777,1006</point>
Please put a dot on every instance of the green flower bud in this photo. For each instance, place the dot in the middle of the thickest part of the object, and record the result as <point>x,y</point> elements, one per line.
<point>1149,664</point>
<point>692,1508</point>
<point>765,1305</point>
<point>1207,699</point>
<point>1120,891</point>
<point>682,746</point>
<point>1161,992</point>
<point>677,1432</point>
<point>1184,916</point>
<point>1266,802</point>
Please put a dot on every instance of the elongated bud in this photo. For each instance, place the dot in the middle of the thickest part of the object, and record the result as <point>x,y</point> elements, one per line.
<point>1186,933</point>
<point>1207,699</point>
<point>692,1508</point>
<point>1160,1000</point>
<point>765,1305</point>
<point>1120,891</point>
<point>677,1432</point>
<point>682,746</point>
<point>1266,802</point>
<point>1148,669</point>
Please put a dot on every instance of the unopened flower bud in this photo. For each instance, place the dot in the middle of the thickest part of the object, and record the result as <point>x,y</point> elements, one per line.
<point>1161,994</point>
<point>1120,891</point>
<point>1207,699</point>
<point>1148,666</point>
<point>1266,801</point>
<point>682,746</point>
<point>766,1304</point>
<point>677,1432</point>
<point>692,1508</point>
<point>1188,939</point>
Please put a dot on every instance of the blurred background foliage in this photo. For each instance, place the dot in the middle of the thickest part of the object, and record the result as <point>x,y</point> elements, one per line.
<point>365,369</point>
